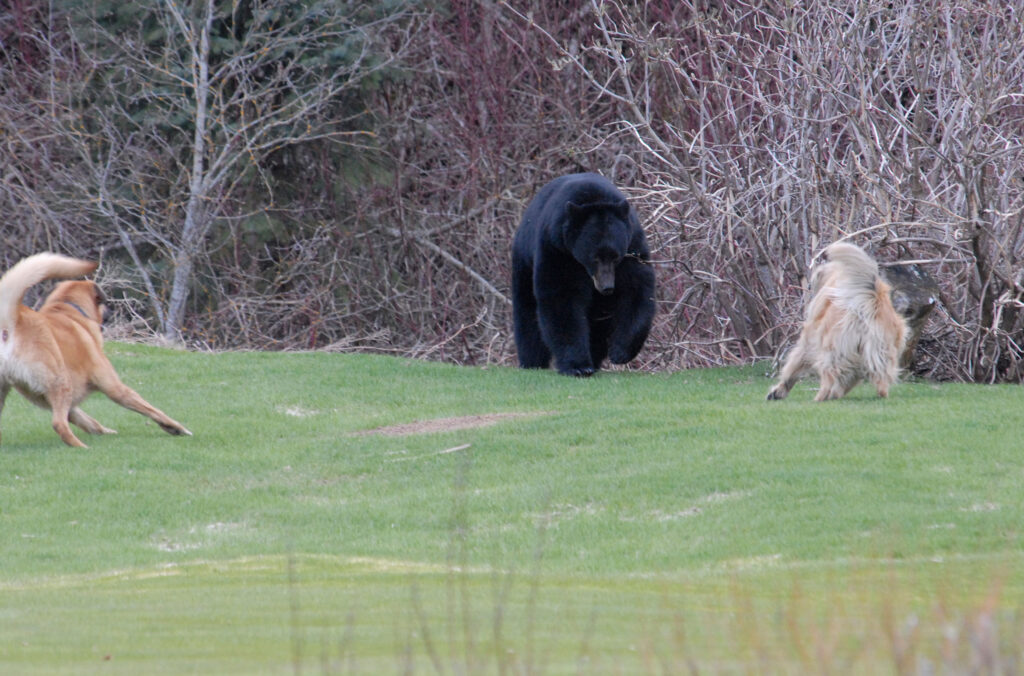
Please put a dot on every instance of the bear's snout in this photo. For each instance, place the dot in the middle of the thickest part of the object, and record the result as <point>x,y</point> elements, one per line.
<point>604,278</point>
<point>604,287</point>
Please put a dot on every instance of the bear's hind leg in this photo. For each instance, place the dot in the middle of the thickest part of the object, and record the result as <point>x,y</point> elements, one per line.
<point>533,353</point>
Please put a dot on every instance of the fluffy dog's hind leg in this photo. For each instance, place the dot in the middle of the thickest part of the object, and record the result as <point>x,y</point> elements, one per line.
<point>884,380</point>
<point>881,387</point>
<point>835,384</point>
<point>794,367</point>
<point>826,387</point>
<point>883,366</point>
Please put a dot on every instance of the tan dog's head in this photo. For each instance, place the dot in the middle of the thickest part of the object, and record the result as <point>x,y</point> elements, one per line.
<point>85,296</point>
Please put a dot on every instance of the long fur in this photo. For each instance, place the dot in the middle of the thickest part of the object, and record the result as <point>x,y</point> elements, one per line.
<point>851,331</point>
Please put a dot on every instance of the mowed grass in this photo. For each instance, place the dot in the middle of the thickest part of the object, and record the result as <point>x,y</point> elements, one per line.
<point>629,523</point>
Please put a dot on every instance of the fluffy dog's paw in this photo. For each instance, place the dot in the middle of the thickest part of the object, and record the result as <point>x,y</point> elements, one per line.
<point>578,372</point>
<point>776,393</point>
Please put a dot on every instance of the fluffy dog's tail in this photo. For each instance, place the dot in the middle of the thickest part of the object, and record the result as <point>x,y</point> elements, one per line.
<point>859,269</point>
<point>861,289</point>
<point>33,270</point>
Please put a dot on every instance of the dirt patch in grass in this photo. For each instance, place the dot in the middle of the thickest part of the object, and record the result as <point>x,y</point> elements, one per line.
<point>464,422</point>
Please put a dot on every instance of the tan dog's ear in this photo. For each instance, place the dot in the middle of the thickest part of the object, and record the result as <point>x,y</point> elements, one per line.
<point>100,299</point>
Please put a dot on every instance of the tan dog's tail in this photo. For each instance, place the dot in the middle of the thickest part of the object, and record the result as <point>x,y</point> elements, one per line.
<point>31,271</point>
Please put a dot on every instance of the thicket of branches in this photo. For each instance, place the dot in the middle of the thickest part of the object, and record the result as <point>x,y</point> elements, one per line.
<point>748,135</point>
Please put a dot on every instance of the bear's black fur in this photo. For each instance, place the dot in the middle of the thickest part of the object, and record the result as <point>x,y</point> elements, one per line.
<point>582,283</point>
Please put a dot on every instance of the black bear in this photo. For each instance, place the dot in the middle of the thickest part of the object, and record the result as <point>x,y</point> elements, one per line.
<point>582,282</point>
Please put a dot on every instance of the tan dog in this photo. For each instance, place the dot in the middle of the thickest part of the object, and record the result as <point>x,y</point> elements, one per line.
<point>55,356</point>
<point>852,331</point>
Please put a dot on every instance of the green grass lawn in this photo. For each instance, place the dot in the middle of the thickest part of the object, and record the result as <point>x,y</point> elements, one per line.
<point>629,523</point>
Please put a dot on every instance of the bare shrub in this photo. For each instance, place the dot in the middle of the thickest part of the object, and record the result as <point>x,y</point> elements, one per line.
<point>760,134</point>
<point>750,135</point>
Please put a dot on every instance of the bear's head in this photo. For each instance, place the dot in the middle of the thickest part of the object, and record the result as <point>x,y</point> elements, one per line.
<point>598,235</point>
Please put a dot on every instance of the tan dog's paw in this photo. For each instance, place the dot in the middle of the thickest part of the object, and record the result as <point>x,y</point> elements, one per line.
<point>177,429</point>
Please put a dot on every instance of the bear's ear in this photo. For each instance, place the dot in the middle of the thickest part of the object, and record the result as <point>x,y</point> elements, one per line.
<point>622,209</point>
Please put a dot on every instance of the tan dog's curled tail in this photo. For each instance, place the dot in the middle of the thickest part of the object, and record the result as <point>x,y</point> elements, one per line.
<point>31,271</point>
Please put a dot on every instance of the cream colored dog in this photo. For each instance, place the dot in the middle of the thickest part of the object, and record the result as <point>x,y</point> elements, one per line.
<point>852,331</point>
<point>54,357</point>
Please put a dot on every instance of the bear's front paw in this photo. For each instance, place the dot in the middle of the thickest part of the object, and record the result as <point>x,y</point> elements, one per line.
<point>620,355</point>
<point>578,372</point>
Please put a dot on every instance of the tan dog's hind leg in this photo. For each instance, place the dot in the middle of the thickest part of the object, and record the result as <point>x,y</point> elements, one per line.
<point>59,399</point>
<point>110,385</point>
<point>5,389</point>
<point>88,423</point>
